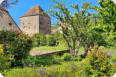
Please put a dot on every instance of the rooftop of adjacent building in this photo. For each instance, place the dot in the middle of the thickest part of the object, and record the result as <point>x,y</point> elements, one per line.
<point>36,10</point>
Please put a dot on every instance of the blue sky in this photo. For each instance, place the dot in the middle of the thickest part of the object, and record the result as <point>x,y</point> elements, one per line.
<point>16,11</point>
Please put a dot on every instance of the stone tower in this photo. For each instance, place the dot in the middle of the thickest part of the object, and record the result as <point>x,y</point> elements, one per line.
<point>6,21</point>
<point>35,21</point>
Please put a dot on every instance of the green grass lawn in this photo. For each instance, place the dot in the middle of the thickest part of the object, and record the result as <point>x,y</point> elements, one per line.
<point>51,48</point>
<point>63,47</point>
<point>110,49</point>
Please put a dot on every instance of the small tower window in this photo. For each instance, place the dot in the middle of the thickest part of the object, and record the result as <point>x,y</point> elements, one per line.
<point>10,24</point>
<point>40,22</point>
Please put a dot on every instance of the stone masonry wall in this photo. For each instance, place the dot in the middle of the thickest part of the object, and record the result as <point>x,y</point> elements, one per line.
<point>45,24</point>
<point>7,23</point>
<point>30,24</point>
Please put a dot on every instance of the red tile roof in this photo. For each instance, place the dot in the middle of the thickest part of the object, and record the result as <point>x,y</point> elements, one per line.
<point>35,11</point>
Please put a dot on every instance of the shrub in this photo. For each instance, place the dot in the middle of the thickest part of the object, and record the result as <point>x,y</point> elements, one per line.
<point>78,58</point>
<point>19,72</point>
<point>51,41</point>
<point>36,40</point>
<point>39,40</point>
<point>67,70</point>
<point>44,60</point>
<point>16,46</point>
<point>43,40</point>
<point>4,63</point>
<point>67,57</point>
<point>113,58</point>
<point>98,62</point>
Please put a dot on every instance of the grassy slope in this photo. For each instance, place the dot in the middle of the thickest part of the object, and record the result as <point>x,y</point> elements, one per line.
<point>51,48</point>
<point>63,47</point>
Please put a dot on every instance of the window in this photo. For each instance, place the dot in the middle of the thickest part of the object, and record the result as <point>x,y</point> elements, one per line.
<point>40,22</point>
<point>10,24</point>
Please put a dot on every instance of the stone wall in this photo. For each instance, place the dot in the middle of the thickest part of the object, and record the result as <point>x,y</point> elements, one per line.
<point>7,23</point>
<point>30,24</point>
<point>45,24</point>
<point>36,24</point>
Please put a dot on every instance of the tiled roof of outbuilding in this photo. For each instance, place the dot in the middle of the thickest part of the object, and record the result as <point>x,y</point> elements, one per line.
<point>35,11</point>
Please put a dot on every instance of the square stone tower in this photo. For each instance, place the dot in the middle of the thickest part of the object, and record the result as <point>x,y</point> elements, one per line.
<point>35,21</point>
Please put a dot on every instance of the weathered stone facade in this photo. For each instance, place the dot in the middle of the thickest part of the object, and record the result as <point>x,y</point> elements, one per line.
<point>35,21</point>
<point>6,21</point>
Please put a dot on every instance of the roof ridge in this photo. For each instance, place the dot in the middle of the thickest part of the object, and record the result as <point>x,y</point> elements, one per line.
<point>1,8</point>
<point>35,10</point>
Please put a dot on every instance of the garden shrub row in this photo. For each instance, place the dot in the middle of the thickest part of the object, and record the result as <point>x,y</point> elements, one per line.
<point>43,60</point>
<point>16,47</point>
<point>96,64</point>
<point>43,40</point>
<point>4,64</point>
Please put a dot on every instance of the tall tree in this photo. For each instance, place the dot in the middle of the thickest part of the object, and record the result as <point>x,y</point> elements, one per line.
<point>107,13</point>
<point>72,25</point>
<point>78,28</point>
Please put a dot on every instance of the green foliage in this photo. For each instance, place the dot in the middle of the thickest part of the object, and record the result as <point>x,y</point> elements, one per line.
<point>92,37</point>
<point>67,57</point>
<point>36,40</point>
<point>113,58</point>
<point>107,12</point>
<point>1,49</point>
<point>18,72</point>
<point>77,58</point>
<point>60,47</point>
<point>98,62</point>
<point>43,40</point>
<point>107,19</point>
<point>4,64</point>
<point>39,40</point>
<point>51,41</point>
<point>68,69</point>
<point>72,26</point>
<point>16,46</point>
<point>78,29</point>
<point>44,60</point>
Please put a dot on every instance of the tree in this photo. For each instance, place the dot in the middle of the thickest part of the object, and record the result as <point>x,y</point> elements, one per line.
<point>107,13</point>
<point>72,25</point>
<point>78,28</point>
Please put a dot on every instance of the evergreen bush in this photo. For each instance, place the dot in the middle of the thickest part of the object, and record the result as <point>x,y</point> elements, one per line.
<point>67,57</point>
<point>51,41</point>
